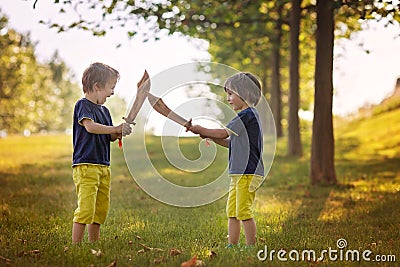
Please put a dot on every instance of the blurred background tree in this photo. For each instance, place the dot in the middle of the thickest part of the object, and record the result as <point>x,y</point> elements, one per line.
<point>34,96</point>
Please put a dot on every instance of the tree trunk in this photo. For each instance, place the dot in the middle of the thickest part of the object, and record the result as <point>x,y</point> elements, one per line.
<point>269,126</point>
<point>322,148</point>
<point>294,140</point>
<point>276,98</point>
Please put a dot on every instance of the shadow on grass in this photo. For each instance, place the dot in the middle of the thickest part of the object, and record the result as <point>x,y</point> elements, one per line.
<point>379,167</point>
<point>345,145</point>
<point>361,208</point>
<point>37,189</point>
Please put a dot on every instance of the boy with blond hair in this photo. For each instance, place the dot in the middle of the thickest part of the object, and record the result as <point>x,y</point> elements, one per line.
<point>93,131</point>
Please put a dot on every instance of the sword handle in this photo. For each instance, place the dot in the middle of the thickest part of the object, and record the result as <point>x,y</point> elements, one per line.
<point>130,122</point>
<point>120,139</point>
<point>188,125</point>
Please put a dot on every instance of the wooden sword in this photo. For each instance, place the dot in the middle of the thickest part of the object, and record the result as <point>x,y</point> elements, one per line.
<point>143,87</point>
<point>158,104</point>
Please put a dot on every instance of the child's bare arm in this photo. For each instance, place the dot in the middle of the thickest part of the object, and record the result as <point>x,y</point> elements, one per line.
<point>115,131</point>
<point>219,136</point>
<point>97,128</point>
<point>209,133</point>
<point>221,142</point>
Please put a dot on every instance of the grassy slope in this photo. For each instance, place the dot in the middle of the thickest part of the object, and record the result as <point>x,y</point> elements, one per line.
<point>37,201</point>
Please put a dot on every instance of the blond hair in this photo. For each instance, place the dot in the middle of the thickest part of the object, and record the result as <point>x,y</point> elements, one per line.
<point>98,73</point>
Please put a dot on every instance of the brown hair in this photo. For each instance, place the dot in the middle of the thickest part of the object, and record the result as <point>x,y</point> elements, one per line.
<point>246,85</point>
<point>97,73</point>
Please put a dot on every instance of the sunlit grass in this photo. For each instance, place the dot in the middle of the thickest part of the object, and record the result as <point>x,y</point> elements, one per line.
<point>378,136</point>
<point>38,199</point>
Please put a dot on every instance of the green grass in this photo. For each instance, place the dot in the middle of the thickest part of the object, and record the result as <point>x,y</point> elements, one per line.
<point>38,200</point>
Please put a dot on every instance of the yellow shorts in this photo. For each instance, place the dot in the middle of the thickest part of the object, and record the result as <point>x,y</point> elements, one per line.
<point>240,199</point>
<point>92,183</point>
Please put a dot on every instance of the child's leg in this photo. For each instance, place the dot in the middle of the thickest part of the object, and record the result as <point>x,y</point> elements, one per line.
<point>78,231</point>
<point>94,232</point>
<point>86,187</point>
<point>250,231</point>
<point>102,204</point>
<point>245,205</point>
<point>233,230</point>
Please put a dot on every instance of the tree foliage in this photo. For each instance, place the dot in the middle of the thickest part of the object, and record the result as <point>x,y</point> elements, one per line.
<point>241,33</point>
<point>197,17</point>
<point>34,96</point>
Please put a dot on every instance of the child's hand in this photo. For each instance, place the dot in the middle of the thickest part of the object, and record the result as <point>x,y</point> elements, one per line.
<point>126,129</point>
<point>196,129</point>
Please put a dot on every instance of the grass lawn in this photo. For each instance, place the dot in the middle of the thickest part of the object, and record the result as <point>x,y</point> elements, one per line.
<point>38,200</point>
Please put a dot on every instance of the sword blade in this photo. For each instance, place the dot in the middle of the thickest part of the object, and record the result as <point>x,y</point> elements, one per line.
<point>143,87</point>
<point>158,104</point>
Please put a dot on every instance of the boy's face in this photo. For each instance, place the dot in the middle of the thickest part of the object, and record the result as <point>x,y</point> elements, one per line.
<point>106,91</point>
<point>235,100</point>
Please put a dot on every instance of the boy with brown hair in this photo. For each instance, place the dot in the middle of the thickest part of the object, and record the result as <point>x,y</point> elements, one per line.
<point>243,136</point>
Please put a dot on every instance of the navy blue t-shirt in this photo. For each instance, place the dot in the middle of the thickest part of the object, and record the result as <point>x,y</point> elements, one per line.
<point>90,148</point>
<point>246,143</point>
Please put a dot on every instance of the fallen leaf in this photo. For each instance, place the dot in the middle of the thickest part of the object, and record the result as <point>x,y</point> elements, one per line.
<point>112,264</point>
<point>261,239</point>
<point>8,261</point>
<point>140,251</point>
<point>212,254</point>
<point>22,240</point>
<point>200,263</point>
<point>159,260</point>
<point>147,248</point>
<point>174,252</point>
<point>96,253</point>
<point>31,253</point>
<point>190,263</point>
<point>138,237</point>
